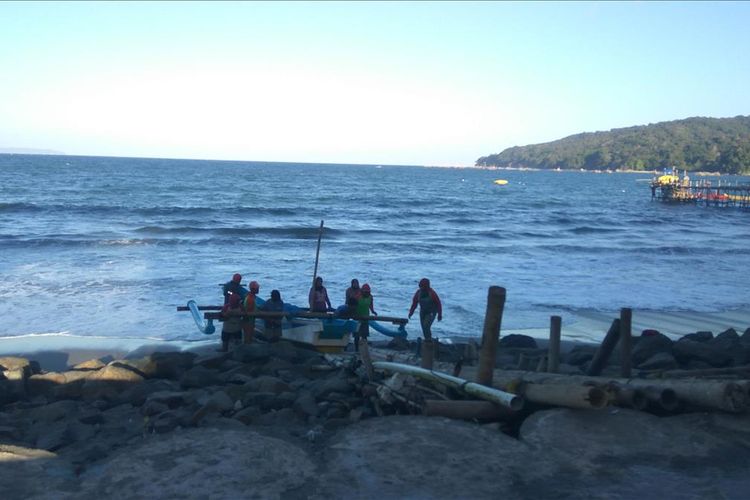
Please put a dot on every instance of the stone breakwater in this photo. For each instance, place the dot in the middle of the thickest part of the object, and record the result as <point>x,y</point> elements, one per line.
<point>278,421</point>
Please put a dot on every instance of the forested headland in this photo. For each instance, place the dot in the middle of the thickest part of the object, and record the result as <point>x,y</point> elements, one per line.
<point>694,144</point>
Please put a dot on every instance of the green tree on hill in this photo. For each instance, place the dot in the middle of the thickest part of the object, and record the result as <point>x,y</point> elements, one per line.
<point>707,144</point>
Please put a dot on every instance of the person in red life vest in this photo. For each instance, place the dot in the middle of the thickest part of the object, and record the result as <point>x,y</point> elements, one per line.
<point>318,298</point>
<point>365,306</point>
<point>230,314</point>
<point>232,286</point>
<point>429,307</point>
<point>248,325</point>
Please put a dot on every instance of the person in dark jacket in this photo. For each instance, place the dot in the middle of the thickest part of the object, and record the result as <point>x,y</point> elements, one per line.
<point>429,307</point>
<point>273,325</point>
<point>232,286</point>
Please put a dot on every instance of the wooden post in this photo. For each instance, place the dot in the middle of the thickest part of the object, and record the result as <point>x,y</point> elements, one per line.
<point>626,341</point>
<point>490,334</point>
<point>605,349</point>
<point>553,361</point>
<point>428,354</point>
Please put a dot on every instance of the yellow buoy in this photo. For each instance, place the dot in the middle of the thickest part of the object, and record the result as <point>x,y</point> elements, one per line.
<point>501,182</point>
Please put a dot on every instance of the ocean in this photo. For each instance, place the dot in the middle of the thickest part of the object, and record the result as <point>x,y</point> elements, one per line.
<point>109,247</point>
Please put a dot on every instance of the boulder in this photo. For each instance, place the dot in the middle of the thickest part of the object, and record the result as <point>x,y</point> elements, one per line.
<point>685,351</point>
<point>44,415</point>
<point>305,405</point>
<point>277,402</point>
<point>14,363</point>
<point>647,347</point>
<point>43,384</point>
<point>268,384</point>
<point>729,342</point>
<point>517,340</point>
<point>163,422</point>
<point>172,364</point>
<point>199,376</point>
<point>745,338</point>
<point>92,364</point>
<point>221,401</point>
<point>251,353</point>
<point>247,415</point>
<point>580,354</point>
<point>699,336</point>
<point>212,360</point>
<point>171,399</point>
<point>659,361</point>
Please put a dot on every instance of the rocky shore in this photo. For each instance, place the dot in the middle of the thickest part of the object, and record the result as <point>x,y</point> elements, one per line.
<point>280,421</point>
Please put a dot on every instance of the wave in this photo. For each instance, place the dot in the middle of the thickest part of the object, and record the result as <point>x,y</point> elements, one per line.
<point>99,209</point>
<point>290,232</point>
<point>19,207</point>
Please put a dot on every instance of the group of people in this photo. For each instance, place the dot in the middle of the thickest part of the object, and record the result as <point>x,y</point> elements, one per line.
<point>237,303</point>
<point>359,303</point>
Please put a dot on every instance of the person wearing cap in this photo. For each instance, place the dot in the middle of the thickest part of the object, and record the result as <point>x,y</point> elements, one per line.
<point>248,306</point>
<point>272,329</point>
<point>231,330</point>
<point>318,297</point>
<point>365,306</point>
<point>232,286</point>
<point>429,307</point>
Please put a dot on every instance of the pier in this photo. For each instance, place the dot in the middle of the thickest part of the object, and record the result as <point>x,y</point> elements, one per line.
<point>671,188</point>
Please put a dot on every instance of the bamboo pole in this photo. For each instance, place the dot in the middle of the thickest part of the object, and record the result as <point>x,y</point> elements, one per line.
<point>572,396</point>
<point>490,334</point>
<point>605,349</point>
<point>512,401</point>
<point>626,341</point>
<point>553,362</point>
<point>364,352</point>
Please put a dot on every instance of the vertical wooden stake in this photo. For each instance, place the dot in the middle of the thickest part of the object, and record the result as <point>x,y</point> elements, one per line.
<point>490,334</point>
<point>553,361</point>
<point>428,354</point>
<point>626,340</point>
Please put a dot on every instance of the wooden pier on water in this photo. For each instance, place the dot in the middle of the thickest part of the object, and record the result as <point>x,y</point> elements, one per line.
<point>673,189</point>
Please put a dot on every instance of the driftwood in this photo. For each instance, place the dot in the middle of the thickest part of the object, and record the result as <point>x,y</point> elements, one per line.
<point>490,333</point>
<point>569,396</point>
<point>715,394</point>
<point>512,401</point>
<point>553,360</point>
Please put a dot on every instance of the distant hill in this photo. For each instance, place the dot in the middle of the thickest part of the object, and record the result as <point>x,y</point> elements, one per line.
<point>29,151</point>
<point>704,144</point>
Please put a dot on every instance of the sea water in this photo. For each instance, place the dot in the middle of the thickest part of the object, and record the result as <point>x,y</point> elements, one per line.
<point>96,246</point>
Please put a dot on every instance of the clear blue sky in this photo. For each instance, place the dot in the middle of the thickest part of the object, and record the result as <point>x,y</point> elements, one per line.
<point>427,83</point>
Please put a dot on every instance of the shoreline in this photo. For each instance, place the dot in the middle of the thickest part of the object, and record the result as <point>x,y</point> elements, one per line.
<point>56,352</point>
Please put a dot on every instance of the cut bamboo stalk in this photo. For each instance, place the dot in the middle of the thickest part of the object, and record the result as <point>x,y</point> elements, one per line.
<point>605,349</point>
<point>628,397</point>
<point>466,410</point>
<point>569,396</point>
<point>512,401</point>
<point>490,334</point>
<point>364,352</point>
<point>626,341</point>
<point>553,362</point>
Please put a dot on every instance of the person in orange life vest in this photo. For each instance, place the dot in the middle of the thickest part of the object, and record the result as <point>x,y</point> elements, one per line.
<point>248,325</point>
<point>318,297</point>
<point>365,306</point>
<point>429,307</point>
<point>232,329</point>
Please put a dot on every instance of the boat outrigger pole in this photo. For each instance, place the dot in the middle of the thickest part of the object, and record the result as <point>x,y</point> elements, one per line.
<point>317,254</point>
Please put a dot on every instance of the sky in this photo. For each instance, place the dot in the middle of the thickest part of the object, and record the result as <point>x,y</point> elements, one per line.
<point>404,83</point>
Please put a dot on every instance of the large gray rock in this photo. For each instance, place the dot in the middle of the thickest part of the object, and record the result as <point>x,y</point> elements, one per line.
<point>659,361</point>
<point>15,363</point>
<point>648,346</point>
<point>685,351</point>
<point>202,463</point>
<point>729,342</point>
<point>199,376</point>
